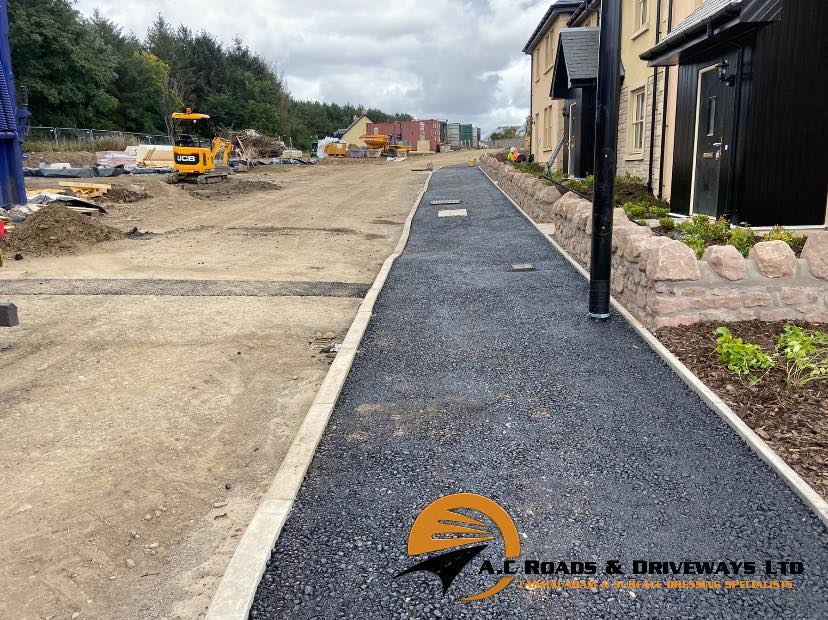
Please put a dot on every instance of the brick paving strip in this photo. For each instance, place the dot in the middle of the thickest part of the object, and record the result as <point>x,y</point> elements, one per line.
<point>472,377</point>
<point>183,288</point>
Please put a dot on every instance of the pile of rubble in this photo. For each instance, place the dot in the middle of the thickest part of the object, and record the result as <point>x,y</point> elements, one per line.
<point>254,145</point>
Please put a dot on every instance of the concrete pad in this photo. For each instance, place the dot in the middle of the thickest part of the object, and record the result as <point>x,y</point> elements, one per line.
<point>452,213</point>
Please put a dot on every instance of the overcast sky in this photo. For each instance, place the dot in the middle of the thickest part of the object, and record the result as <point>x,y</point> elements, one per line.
<point>453,59</point>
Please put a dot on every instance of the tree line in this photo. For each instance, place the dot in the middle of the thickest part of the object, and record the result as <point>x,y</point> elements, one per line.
<point>87,72</point>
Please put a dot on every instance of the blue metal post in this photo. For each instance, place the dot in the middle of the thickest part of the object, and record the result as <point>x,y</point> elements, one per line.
<point>12,187</point>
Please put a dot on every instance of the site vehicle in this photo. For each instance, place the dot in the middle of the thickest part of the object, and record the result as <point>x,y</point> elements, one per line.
<point>196,158</point>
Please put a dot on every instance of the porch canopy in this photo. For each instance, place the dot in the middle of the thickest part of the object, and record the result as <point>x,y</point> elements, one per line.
<point>710,24</point>
<point>576,63</point>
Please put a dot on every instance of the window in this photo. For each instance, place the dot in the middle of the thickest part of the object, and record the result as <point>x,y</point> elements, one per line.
<point>638,105</point>
<point>536,131</point>
<point>550,117</point>
<point>536,63</point>
<point>642,13</point>
<point>711,116</point>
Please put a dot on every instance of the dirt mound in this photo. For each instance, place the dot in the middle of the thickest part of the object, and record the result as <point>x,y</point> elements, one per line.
<point>77,159</point>
<point>120,194</point>
<point>57,230</point>
<point>228,189</point>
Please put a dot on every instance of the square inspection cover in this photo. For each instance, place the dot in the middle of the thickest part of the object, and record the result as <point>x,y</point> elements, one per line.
<point>452,213</point>
<point>445,202</point>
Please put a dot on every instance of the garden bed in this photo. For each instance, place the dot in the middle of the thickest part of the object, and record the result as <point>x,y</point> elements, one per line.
<point>794,422</point>
<point>700,232</point>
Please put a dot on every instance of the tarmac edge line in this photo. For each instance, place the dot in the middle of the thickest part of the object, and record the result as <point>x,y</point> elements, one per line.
<point>806,492</point>
<point>236,590</point>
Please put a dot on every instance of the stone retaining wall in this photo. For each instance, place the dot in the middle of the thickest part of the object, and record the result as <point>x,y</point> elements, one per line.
<point>659,279</point>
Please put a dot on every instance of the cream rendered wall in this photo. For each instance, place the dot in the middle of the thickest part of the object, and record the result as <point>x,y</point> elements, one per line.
<point>358,129</point>
<point>681,9</point>
<point>547,113</point>
<point>638,77</point>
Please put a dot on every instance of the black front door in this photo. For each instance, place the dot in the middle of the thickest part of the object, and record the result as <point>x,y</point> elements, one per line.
<point>713,149</point>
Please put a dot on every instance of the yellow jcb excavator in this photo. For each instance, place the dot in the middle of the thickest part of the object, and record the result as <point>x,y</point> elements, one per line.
<point>194,156</point>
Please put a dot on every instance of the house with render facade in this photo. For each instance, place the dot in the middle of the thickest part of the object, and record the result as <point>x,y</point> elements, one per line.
<point>720,109</point>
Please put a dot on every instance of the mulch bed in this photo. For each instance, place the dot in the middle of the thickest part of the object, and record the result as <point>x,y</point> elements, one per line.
<point>793,423</point>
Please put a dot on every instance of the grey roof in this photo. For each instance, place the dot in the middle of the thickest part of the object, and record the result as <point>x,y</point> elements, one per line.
<point>708,9</point>
<point>709,22</point>
<point>555,9</point>
<point>580,48</point>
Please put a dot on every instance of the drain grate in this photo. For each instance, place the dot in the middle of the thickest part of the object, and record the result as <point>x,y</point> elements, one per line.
<point>445,202</point>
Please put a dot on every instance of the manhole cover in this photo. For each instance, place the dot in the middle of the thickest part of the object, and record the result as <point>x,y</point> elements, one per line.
<point>452,213</point>
<point>445,202</point>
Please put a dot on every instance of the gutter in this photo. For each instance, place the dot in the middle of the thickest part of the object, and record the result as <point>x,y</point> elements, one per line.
<point>586,6</point>
<point>724,14</point>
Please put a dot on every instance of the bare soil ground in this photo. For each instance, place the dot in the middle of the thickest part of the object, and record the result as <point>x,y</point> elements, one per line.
<point>793,422</point>
<point>140,431</point>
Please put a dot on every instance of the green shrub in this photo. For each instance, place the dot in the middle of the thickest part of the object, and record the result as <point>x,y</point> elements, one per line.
<point>660,211</point>
<point>742,239</point>
<point>641,222</point>
<point>709,230</point>
<point>696,243</point>
<point>779,233</point>
<point>583,186</point>
<point>635,211</point>
<point>667,223</point>
<point>742,358</point>
<point>806,354</point>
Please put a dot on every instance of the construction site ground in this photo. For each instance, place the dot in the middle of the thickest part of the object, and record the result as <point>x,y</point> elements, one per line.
<point>142,418</point>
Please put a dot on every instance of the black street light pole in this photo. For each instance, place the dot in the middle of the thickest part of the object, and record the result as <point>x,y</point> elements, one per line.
<point>606,141</point>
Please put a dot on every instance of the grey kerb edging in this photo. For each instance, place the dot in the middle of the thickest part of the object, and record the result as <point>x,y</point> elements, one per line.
<point>237,588</point>
<point>806,493</point>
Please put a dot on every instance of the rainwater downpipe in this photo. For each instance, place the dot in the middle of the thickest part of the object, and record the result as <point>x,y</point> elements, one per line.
<point>653,105</point>
<point>665,109</point>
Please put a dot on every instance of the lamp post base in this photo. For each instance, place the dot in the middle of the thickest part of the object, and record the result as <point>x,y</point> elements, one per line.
<point>600,317</point>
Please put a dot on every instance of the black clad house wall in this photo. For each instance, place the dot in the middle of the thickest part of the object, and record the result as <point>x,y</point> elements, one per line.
<point>781,174</point>
<point>583,150</point>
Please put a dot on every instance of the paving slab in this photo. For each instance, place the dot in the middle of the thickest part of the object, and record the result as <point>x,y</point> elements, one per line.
<point>474,378</point>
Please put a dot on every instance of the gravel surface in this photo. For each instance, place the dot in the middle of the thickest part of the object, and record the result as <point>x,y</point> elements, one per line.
<point>478,379</point>
<point>183,288</point>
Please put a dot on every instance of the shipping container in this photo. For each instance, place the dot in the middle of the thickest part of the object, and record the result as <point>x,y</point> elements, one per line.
<point>410,132</point>
<point>453,135</point>
<point>475,139</point>
<point>465,136</point>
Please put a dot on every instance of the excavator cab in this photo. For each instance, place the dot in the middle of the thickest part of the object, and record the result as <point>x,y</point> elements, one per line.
<point>195,156</point>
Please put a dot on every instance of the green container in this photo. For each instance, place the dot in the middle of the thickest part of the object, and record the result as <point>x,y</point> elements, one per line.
<point>465,136</point>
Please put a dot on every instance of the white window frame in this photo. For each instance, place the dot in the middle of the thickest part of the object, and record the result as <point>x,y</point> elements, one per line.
<point>637,124</point>
<point>642,14</point>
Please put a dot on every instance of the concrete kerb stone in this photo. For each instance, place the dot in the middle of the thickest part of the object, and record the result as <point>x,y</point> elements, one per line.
<point>806,493</point>
<point>237,588</point>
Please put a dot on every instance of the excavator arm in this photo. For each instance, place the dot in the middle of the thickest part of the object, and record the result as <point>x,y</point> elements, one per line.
<point>225,146</point>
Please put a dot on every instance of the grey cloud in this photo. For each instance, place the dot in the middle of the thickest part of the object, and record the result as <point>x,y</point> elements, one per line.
<point>452,59</point>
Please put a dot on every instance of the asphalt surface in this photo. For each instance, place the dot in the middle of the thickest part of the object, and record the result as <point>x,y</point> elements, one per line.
<point>183,288</point>
<point>477,379</point>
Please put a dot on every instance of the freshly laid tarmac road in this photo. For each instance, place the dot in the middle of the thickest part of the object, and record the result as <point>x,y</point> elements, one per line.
<point>474,378</point>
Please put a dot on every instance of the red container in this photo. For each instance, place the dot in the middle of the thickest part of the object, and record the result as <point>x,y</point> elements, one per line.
<point>409,131</point>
